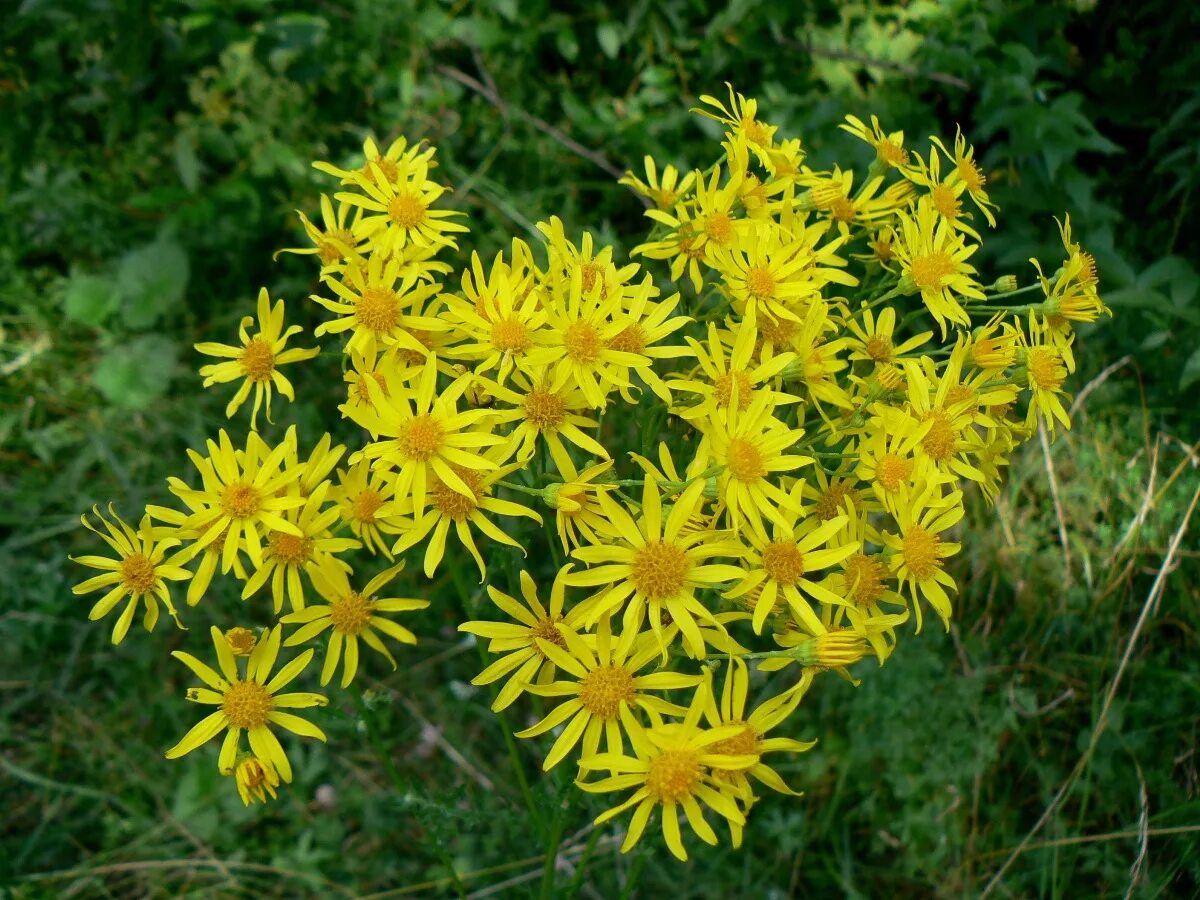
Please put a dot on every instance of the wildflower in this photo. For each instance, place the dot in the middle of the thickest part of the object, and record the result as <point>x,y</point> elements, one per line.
<point>578,517</point>
<point>933,263</point>
<point>140,572</point>
<point>251,703</point>
<point>335,243</point>
<point>889,148</point>
<point>1044,369</point>
<point>967,170</point>
<point>350,615</point>
<point>874,337</point>
<point>257,360</point>
<point>918,550</point>
<point>524,661</point>
<point>664,192</point>
<point>366,503</point>
<point>741,116</point>
<point>541,411</point>
<point>255,778</point>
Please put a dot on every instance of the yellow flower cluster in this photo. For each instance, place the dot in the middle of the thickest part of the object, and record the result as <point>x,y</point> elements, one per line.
<point>757,456</point>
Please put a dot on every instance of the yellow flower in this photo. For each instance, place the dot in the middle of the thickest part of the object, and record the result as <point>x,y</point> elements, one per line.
<point>523,660</point>
<point>448,506</point>
<point>676,766</point>
<point>919,549</point>
<point>1044,368</point>
<point>652,564</point>
<point>681,245</point>
<point>875,337</point>
<point>335,243</point>
<point>210,555</point>
<point>889,148</point>
<point>967,170</point>
<point>596,268</point>
<point>945,196</point>
<point>542,411</point>
<point>251,703</point>
<point>366,503</point>
<point>140,572</point>
<point>241,497</point>
<point>887,458</point>
<point>664,193</point>
<point>257,360</point>
<point>741,117</point>
<point>578,517</point>
<point>387,165</point>
<point>350,615</point>
<point>428,437</point>
<point>314,550</point>
<point>255,778</point>
<point>605,693</point>
<point>932,257</point>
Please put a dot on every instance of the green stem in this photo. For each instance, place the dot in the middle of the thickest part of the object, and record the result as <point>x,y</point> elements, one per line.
<point>520,487</point>
<point>989,298</point>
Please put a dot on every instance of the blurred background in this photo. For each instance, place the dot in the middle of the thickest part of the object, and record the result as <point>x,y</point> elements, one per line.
<point>152,155</point>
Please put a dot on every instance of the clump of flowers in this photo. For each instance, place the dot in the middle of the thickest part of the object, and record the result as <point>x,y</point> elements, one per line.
<point>755,452</point>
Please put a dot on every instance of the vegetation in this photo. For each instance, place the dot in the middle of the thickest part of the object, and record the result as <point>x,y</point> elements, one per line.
<point>153,155</point>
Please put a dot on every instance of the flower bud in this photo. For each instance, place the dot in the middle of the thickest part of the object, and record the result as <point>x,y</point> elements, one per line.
<point>241,641</point>
<point>831,650</point>
<point>1005,284</point>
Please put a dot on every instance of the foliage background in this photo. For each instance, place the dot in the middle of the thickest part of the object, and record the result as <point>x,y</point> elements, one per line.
<point>151,155</point>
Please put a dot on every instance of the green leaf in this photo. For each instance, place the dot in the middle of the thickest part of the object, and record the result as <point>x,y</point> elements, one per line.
<point>610,37</point>
<point>136,373</point>
<point>151,279</point>
<point>91,299</point>
<point>1191,371</point>
<point>187,162</point>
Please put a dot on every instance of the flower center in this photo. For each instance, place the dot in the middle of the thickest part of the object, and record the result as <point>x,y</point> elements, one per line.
<point>891,152</point>
<point>723,389</point>
<point>660,569</point>
<point>450,503</point>
<point>258,361</point>
<point>545,630</point>
<point>240,500</point>
<point>674,775</point>
<point>420,438</point>
<point>760,283</point>
<point>366,504</point>
<point>589,273</point>
<point>632,339</point>
<point>386,166</point>
<point>929,270</point>
<point>879,348</point>
<point>783,562</point>
<point>290,549</point>
<point>755,131</point>
<point>510,336</point>
<point>864,578</point>
<point>378,309</point>
<point>719,228</point>
<point>406,210</point>
<point>831,504</point>
<point>843,209</point>
<point>743,460</point>
<point>358,387</point>
<point>882,248</point>
<point>939,440</point>
<point>744,743</point>
<point>777,332</point>
<point>971,176</point>
<point>945,202</point>
<point>241,641</point>
<point>352,613</point>
<point>137,573</point>
<point>920,552</point>
<point>543,410</point>
<point>246,705</point>
<point>604,689</point>
<point>1044,369</point>
<point>582,342</point>
<point>892,471</point>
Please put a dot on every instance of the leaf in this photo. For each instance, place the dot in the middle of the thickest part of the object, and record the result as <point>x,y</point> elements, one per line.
<point>91,299</point>
<point>1191,371</point>
<point>151,279</point>
<point>610,37</point>
<point>136,373</point>
<point>187,162</point>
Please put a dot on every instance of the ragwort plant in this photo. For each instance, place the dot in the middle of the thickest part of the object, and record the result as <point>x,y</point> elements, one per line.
<point>826,377</point>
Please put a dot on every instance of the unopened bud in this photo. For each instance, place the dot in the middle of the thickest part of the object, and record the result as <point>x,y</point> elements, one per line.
<point>1005,284</point>
<point>553,496</point>
<point>834,649</point>
<point>241,641</point>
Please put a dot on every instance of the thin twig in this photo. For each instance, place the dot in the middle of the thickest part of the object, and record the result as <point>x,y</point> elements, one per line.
<point>1097,838</point>
<point>873,63</point>
<point>1096,382</point>
<point>1156,589</point>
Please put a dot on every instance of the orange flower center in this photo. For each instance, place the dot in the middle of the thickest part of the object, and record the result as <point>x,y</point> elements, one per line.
<point>510,336</point>
<point>543,410</point>
<point>892,471</point>
<point>406,210</point>
<point>939,440</point>
<point>928,271</point>
<point>137,573</point>
<point>258,361</point>
<point>719,228</point>
<point>378,309</point>
<point>744,461</point>
<point>351,614</point>
<point>760,283</point>
<point>604,689</point>
<point>290,549</point>
<point>864,578</point>
<point>674,775</point>
<point>783,562</point>
<point>582,342</point>
<point>879,348</point>
<point>831,504</point>
<point>921,552</point>
<point>453,505</point>
<point>366,504</point>
<point>724,385</point>
<point>247,705</point>
<point>240,500</point>
<point>632,339</point>
<point>659,569</point>
<point>420,438</point>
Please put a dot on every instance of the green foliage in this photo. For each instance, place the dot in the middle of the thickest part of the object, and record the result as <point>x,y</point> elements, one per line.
<point>150,162</point>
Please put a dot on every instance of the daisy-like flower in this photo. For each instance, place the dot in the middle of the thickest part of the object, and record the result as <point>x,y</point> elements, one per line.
<point>391,370</point>
<point>887,459</point>
<point>681,245</point>
<point>889,148</point>
<point>605,691</point>
<point>543,412</point>
<point>933,262</point>
<point>242,496</point>
<point>945,195</point>
<point>595,265</point>
<point>382,303</point>
<point>918,551</point>
<point>782,568</point>
<point>255,779</point>
<point>741,117</point>
<point>397,211</point>
<point>335,243</point>
<point>1044,368</point>
<point>210,555</point>
<point>582,325</point>
<point>665,192</point>
<point>874,338</point>
<point>286,555</point>
<point>523,660</point>
<point>836,202</point>
<point>731,377</point>
<point>140,572</point>
<point>967,170</point>
<point>350,615</point>
<point>427,437</point>
<point>752,740</point>
<point>674,767</point>
<point>751,448</point>
<point>578,517</point>
<point>716,225</point>
<point>249,703</point>
<point>651,321</point>
<point>315,470</point>
<point>822,650</point>
<point>389,164</point>
<point>449,507</point>
<point>365,503</point>
<point>653,564</point>
<point>257,360</point>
